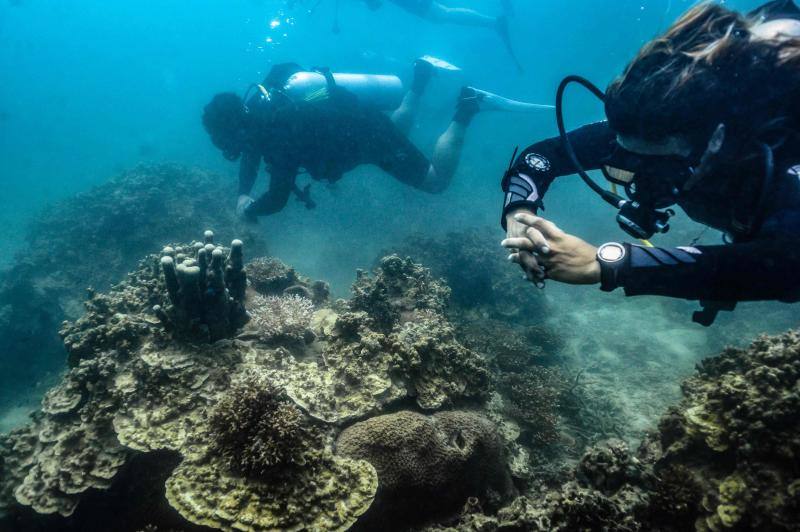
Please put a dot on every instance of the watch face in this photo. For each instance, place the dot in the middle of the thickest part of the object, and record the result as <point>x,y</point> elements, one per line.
<point>611,252</point>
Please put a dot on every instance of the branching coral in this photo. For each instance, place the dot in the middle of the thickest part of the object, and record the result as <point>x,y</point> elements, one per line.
<point>281,317</point>
<point>532,398</point>
<point>257,430</point>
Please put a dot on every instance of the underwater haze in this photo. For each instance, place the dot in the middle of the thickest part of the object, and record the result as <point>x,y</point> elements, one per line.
<point>104,161</point>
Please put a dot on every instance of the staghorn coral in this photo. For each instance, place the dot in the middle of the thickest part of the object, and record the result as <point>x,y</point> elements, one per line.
<point>428,465</point>
<point>257,430</point>
<point>282,318</point>
<point>206,290</point>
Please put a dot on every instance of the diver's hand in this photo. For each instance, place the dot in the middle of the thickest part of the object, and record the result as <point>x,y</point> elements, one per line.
<point>242,204</point>
<point>525,258</point>
<point>565,258</point>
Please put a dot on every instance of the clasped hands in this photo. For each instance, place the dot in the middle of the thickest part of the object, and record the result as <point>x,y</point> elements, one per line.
<point>544,251</point>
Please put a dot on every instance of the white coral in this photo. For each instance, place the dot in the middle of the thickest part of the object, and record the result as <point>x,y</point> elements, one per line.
<point>281,316</point>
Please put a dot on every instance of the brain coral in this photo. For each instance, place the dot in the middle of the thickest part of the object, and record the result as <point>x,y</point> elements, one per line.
<point>429,465</point>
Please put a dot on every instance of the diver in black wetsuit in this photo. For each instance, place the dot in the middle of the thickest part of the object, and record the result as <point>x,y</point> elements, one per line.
<point>706,117</point>
<point>328,136</point>
<point>435,11</point>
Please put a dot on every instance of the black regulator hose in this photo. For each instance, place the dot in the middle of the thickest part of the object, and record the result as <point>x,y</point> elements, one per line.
<point>613,199</point>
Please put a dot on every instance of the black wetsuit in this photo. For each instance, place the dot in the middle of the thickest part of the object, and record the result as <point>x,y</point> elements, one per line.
<point>762,263</point>
<point>325,139</point>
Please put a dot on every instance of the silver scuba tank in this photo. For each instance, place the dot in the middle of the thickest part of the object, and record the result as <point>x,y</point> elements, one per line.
<point>383,91</point>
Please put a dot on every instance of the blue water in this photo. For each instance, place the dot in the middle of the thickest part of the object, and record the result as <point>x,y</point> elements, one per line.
<point>90,88</point>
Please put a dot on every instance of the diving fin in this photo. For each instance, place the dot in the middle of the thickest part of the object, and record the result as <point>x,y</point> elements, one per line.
<point>502,30</point>
<point>439,63</point>
<point>492,102</point>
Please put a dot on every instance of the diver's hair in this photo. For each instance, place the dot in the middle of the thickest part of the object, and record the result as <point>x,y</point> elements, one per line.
<point>224,112</point>
<point>704,70</point>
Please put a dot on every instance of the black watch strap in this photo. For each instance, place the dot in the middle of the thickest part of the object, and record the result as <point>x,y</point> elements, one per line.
<point>612,257</point>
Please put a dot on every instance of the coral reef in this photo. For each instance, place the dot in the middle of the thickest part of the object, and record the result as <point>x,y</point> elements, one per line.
<point>398,288</point>
<point>94,239</point>
<point>271,277</point>
<point>234,450</point>
<point>725,458</point>
<point>428,466</point>
<point>390,341</point>
<point>482,283</point>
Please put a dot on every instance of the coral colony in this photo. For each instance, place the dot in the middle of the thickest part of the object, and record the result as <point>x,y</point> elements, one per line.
<point>238,396</point>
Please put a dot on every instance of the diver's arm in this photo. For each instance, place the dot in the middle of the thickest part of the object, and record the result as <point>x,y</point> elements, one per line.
<point>248,171</point>
<point>280,187</point>
<point>756,270</point>
<point>526,183</point>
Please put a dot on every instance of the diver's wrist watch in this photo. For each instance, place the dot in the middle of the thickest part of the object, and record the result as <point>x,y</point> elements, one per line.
<point>611,257</point>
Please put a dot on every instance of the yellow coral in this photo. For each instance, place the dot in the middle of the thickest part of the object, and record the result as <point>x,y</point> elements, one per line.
<point>330,497</point>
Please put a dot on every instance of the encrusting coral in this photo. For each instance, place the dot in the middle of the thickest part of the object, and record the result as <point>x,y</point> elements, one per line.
<point>391,341</point>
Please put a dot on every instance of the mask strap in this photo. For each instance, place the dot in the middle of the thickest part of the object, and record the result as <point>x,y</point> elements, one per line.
<point>709,158</point>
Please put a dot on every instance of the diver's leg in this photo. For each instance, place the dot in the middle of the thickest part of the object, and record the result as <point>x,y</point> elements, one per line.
<point>459,15</point>
<point>447,153</point>
<point>404,116</point>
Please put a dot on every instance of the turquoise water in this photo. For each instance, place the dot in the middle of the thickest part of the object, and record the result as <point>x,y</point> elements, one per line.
<point>92,88</point>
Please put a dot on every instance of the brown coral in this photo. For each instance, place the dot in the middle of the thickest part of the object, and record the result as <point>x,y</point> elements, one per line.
<point>429,466</point>
<point>257,430</point>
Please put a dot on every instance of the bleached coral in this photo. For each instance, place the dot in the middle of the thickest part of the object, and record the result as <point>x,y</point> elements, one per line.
<point>281,317</point>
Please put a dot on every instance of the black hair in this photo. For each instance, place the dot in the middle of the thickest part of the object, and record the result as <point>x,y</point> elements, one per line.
<point>225,120</point>
<point>705,70</point>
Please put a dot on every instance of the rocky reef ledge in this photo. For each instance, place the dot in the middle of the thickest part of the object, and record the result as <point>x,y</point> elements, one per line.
<point>207,392</point>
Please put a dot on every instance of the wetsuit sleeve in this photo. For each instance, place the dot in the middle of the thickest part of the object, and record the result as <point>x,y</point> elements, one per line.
<point>281,184</point>
<point>758,270</point>
<point>248,171</point>
<point>528,179</point>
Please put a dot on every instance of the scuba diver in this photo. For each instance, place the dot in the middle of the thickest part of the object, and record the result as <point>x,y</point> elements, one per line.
<point>439,13</point>
<point>706,117</point>
<point>327,123</point>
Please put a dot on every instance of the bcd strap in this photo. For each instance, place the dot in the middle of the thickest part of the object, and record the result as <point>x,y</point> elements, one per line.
<point>325,71</point>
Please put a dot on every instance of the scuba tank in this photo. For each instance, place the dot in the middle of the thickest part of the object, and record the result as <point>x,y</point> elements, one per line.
<point>382,91</point>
